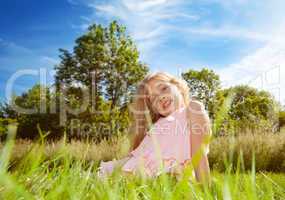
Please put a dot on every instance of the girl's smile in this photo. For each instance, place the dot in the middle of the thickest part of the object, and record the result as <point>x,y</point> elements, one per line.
<point>167,103</point>
<point>163,97</point>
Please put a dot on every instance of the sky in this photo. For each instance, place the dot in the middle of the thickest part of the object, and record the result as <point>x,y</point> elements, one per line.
<point>241,40</point>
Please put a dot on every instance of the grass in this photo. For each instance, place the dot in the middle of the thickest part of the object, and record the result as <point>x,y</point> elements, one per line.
<point>51,171</point>
<point>269,150</point>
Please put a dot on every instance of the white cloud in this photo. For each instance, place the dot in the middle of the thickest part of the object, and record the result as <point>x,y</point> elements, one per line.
<point>141,6</point>
<point>18,57</point>
<point>13,48</point>
<point>146,20</point>
<point>263,69</point>
<point>226,31</point>
<point>227,3</point>
<point>49,60</point>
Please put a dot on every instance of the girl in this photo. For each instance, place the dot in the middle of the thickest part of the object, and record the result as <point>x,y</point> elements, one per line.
<point>168,130</point>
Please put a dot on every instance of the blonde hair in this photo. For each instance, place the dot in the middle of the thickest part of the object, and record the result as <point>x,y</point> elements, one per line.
<point>140,110</point>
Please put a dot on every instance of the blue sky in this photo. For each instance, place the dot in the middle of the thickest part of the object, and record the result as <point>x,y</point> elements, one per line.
<point>242,40</point>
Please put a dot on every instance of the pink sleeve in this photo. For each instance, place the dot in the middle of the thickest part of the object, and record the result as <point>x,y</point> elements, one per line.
<point>145,143</point>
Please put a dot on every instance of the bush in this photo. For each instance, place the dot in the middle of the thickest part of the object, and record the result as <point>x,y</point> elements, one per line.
<point>3,126</point>
<point>242,107</point>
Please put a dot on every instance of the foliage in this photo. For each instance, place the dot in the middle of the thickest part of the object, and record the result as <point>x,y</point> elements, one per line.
<point>105,62</point>
<point>4,122</point>
<point>34,107</point>
<point>249,109</point>
<point>104,66</point>
<point>281,118</point>
<point>103,56</point>
<point>203,85</point>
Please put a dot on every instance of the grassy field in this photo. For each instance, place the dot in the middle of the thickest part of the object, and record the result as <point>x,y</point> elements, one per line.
<point>37,170</point>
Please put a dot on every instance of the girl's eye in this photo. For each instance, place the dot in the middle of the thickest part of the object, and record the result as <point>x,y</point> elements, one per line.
<point>165,88</point>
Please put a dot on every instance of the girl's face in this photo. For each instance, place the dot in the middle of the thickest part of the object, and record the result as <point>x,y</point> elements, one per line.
<point>164,97</point>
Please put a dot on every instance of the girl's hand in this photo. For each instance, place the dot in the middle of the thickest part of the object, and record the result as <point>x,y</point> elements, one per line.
<point>199,120</point>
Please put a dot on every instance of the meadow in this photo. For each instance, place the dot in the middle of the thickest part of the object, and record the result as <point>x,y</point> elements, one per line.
<point>68,170</point>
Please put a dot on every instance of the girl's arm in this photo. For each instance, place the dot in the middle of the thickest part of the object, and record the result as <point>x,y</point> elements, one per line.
<point>200,127</point>
<point>202,169</point>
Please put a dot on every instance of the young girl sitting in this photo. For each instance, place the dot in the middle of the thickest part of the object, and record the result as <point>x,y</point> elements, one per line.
<point>168,130</point>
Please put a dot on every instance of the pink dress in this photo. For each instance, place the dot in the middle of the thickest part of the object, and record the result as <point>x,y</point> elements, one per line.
<point>165,147</point>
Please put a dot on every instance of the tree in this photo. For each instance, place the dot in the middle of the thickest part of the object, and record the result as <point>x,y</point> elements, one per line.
<point>105,61</point>
<point>123,67</point>
<point>249,109</point>
<point>203,85</point>
<point>40,115</point>
<point>7,116</point>
<point>6,111</point>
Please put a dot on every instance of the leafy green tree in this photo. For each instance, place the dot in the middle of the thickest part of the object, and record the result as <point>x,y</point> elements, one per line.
<point>4,122</point>
<point>203,85</point>
<point>105,61</point>
<point>6,111</point>
<point>33,108</point>
<point>123,67</point>
<point>249,109</point>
